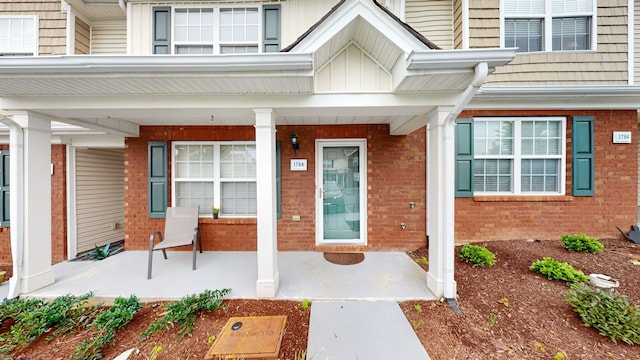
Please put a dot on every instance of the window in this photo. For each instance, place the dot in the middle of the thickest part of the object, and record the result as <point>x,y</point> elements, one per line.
<point>18,35</point>
<point>216,30</point>
<point>548,25</point>
<point>519,156</point>
<point>215,173</point>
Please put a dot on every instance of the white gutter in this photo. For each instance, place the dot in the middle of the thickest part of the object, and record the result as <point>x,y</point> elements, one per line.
<point>482,71</point>
<point>458,59</point>
<point>119,64</point>
<point>16,143</point>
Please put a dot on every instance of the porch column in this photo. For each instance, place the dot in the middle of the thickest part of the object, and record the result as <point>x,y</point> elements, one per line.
<point>268,277</point>
<point>440,203</point>
<point>31,220</point>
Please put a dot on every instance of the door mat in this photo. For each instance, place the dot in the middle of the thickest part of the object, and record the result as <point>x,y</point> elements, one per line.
<point>249,337</point>
<point>344,258</point>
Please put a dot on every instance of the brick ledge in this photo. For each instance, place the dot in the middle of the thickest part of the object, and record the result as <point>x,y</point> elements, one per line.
<point>522,198</point>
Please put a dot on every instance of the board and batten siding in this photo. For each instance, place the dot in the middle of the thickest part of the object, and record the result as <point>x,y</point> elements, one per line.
<point>352,70</point>
<point>605,66</point>
<point>109,37</point>
<point>433,19</point>
<point>99,197</point>
<point>83,32</point>
<point>52,23</point>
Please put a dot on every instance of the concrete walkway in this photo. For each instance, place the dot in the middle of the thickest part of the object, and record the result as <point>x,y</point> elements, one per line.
<point>354,312</point>
<point>371,330</point>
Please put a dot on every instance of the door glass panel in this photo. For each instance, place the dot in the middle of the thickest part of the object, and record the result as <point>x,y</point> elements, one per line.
<point>341,192</point>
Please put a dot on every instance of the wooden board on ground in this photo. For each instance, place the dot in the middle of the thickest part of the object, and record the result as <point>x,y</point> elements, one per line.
<point>249,337</point>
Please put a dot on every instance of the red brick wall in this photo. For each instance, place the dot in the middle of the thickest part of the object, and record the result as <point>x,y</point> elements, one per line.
<point>396,176</point>
<point>58,211</point>
<point>614,202</point>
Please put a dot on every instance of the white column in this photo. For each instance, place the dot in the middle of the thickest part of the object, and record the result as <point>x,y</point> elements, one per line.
<point>35,180</point>
<point>440,203</point>
<point>268,277</point>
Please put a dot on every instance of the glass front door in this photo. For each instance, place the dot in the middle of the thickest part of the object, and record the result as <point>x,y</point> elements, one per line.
<point>341,185</point>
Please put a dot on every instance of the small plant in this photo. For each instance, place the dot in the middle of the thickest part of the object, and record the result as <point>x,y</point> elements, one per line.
<point>478,256</point>
<point>155,352</point>
<point>609,313</point>
<point>102,253</point>
<point>301,355</point>
<point>105,326</point>
<point>559,356</point>
<point>539,346</point>
<point>305,304</point>
<point>582,242</point>
<point>416,325</point>
<point>504,301</point>
<point>422,261</point>
<point>555,270</point>
<point>184,312</point>
<point>418,308</point>
<point>493,320</point>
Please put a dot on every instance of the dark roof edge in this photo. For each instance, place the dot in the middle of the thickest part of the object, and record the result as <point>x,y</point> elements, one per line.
<point>406,26</point>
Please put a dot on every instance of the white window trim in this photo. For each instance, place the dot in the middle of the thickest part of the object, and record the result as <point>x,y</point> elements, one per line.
<point>517,136</point>
<point>216,26</point>
<point>36,22</point>
<point>547,27</point>
<point>217,179</point>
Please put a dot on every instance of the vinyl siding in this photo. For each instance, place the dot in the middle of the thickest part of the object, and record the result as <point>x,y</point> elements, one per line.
<point>299,15</point>
<point>83,32</point>
<point>109,37</point>
<point>606,66</point>
<point>52,23</point>
<point>352,71</point>
<point>636,57</point>
<point>99,196</point>
<point>433,19</point>
<point>458,28</point>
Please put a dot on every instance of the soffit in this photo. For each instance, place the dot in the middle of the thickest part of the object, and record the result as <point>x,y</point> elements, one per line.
<point>98,9</point>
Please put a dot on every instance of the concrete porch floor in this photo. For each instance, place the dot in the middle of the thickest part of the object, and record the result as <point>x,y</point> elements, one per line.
<point>303,275</point>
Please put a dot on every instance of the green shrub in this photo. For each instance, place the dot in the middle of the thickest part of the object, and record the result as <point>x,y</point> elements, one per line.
<point>582,242</point>
<point>477,255</point>
<point>555,270</point>
<point>611,314</point>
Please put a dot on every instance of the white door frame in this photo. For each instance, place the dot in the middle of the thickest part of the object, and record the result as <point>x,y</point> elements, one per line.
<point>362,163</point>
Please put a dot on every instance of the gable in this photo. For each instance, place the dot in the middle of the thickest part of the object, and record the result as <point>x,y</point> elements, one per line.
<point>352,70</point>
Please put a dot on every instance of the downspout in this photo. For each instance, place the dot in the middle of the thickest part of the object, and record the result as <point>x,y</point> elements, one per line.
<point>481,73</point>
<point>122,5</point>
<point>16,144</point>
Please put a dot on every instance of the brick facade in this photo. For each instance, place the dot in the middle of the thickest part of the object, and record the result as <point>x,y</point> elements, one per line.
<point>614,202</point>
<point>396,176</point>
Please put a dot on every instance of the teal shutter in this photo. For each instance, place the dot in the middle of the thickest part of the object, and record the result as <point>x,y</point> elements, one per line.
<point>464,157</point>
<point>271,28</point>
<point>5,201</point>
<point>158,179</point>
<point>278,180</point>
<point>582,144</point>
<point>162,30</point>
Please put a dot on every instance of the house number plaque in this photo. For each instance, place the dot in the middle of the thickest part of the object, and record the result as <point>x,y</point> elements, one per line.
<point>298,164</point>
<point>622,137</point>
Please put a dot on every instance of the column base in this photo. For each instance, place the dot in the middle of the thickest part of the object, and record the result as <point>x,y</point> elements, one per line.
<point>37,281</point>
<point>437,285</point>
<point>268,288</point>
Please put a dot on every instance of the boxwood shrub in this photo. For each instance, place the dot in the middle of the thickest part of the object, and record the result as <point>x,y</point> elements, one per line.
<point>477,255</point>
<point>582,242</point>
<point>555,270</point>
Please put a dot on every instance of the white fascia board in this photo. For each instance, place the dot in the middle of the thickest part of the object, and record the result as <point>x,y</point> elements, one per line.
<point>166,64</point>
<point>452,59</point>
<point>557,97</point>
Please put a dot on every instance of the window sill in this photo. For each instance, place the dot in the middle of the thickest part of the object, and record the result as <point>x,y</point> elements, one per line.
<point>228,221</point>
<point>516,198</point>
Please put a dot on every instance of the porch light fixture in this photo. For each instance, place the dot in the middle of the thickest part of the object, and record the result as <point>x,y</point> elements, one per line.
<point>294,142</point>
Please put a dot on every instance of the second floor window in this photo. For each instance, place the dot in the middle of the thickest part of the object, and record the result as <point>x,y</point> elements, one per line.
<point>215,30</point>
<point>18,35</point>
<point>548,25</point>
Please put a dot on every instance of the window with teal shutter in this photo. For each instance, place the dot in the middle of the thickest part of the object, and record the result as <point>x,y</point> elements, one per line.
<point>158,181</point>
<point>583,173</point>
<point>162,30</point>
<point>271,28</point>
<point>5,201</point>
<point>464,157</point>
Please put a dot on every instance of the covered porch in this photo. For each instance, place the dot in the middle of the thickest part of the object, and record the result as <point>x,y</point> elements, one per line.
<point>303,275</point>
